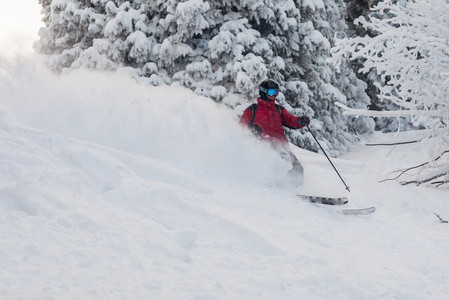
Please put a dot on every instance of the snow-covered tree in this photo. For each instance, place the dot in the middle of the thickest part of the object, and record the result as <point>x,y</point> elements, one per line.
<point>219,49</point>
<point>410,53</point>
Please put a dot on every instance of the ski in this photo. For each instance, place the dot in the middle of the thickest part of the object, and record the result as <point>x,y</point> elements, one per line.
<point>339,201</point>
<point>359,211</point>
<point>325,200</point>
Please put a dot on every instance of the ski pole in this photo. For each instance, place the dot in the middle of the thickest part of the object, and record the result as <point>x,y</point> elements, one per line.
<point>347,187</point>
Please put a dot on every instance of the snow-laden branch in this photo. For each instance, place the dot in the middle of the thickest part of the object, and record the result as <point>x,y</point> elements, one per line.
<point>391,114</point>
<point>409,54</point>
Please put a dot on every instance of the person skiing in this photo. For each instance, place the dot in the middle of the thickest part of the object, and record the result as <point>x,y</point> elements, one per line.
<point>267,120</point>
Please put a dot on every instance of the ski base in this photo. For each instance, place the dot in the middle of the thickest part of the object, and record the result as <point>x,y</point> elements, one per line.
<point>325,200</point>
<point>359,211</point>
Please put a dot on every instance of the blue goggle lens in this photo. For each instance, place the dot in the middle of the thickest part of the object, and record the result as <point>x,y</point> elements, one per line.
<point>272,92</point>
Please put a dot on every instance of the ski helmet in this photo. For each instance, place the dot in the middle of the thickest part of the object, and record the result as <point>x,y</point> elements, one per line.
<point>268,87</point>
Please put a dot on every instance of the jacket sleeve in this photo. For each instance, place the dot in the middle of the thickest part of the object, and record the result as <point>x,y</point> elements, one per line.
<point>289,120</point>
<point>245,119</point>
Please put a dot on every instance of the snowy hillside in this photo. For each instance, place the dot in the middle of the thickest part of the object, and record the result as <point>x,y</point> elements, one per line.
<point>111,190</point>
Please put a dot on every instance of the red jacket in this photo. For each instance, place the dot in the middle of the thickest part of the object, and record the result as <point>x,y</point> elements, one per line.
<point>269,119</point>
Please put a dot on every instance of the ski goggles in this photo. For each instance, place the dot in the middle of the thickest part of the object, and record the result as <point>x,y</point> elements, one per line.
<point>269,92</point>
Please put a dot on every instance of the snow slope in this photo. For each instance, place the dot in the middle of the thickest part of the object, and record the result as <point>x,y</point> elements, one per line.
<point>113,190</point>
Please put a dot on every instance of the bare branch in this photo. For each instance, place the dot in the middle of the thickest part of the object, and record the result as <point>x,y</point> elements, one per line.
<point>393,144</point>
<point>402,172</point>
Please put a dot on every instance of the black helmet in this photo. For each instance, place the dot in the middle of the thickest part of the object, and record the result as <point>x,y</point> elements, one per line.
<point>266,85</point>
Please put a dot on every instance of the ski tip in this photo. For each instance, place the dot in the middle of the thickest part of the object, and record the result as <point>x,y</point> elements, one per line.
<point>359,211</point>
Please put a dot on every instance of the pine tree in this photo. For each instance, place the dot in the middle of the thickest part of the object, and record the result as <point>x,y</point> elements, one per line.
<point>219,49</point>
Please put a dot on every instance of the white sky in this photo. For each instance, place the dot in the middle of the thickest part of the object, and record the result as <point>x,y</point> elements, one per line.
<point>20,21</point>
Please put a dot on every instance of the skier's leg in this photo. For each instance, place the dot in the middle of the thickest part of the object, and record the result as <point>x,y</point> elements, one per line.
<point>296,173</point>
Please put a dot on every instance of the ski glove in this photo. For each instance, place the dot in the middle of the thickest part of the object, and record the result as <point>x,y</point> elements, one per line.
<point>256,130</point>
<point>304,121</point>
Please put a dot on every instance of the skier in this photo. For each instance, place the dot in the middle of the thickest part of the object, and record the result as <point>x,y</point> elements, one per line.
<point>266,120</point>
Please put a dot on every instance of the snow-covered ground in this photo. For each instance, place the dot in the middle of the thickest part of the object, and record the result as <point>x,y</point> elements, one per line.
<point>113,190</point>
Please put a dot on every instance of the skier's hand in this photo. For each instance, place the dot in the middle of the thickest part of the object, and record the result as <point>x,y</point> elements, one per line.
<point>304,121</point>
